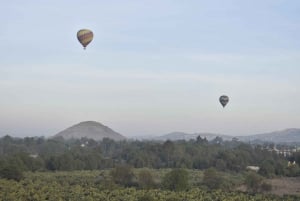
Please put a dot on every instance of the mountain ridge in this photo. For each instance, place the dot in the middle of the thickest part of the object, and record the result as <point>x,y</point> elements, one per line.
<point>288,135</point>
<point>98,131</point>
<point>282,136</point>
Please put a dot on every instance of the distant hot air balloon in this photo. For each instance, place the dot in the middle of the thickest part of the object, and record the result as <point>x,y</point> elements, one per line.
<point>85,36</point>
<point>224,100</point>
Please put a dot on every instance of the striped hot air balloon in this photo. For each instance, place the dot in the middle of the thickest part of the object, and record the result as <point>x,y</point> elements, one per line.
<point>85,36</point>
<point>224,100</point>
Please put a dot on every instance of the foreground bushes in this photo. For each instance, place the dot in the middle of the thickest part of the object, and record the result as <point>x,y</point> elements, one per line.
<point>36,191</point>
<point>90,185</point>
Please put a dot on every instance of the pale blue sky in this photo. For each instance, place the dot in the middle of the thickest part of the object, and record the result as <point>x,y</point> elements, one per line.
<point>153,67</point>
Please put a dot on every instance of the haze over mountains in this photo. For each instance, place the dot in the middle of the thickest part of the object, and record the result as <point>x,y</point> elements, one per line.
<point>283,136</point>
<point>98,131</point>
<point>287,135</point>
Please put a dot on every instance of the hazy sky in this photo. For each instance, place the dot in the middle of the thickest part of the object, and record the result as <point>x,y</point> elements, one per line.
<point>153,67</point>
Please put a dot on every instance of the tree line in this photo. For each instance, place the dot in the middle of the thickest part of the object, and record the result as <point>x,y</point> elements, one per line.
<point>40,154</point>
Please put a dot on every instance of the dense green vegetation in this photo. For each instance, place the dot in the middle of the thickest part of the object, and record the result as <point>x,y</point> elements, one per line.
<point>36,154</point>
<point>98,185</point>
<point>55,169</point>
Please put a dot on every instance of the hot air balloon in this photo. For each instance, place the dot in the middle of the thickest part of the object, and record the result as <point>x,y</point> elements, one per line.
<point>85,36</point>
<point>224,100</point>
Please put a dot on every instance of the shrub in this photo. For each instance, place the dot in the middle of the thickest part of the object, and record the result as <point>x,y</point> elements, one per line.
<point>253,182</point>
<point>145,179</point>
<point>176,180</point>
<point>123,175</point>
<point>211,179</point>
<point>146,197</point>
<point>11,172</point>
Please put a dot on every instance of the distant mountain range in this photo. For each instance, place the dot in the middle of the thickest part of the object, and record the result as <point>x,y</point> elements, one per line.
<point>97,131</point>
<point>284,136</point>
<point>287,135</point>
<point>185,136</point>
<point>90,129</point>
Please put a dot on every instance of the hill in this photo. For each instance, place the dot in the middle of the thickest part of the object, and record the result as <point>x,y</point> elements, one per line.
<point>89,129</point>
<point>291,135</point>
<point>284,136</point>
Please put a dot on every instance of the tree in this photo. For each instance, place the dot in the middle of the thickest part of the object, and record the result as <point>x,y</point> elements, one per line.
<point>145,179</point>
<point>176,180</point>
<point>217,140</point>
<point>11,172</point>
<point>221,164</point>
<point>123,175</point>
<point>200,140</point>
<point>168,150</point>
<point>52,163</point>
<point>267,169</point>
<point>253,182</point>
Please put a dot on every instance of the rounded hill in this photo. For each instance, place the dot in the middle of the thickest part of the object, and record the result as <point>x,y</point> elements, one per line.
<point>90,129</point>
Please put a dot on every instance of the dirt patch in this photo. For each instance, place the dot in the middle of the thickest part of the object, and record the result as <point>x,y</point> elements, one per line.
<point>280,186</point>
<point>285,185</point>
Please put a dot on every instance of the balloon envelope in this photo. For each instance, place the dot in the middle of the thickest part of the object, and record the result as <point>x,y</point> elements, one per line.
<point>224,100</point>
<point>85,36</point>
